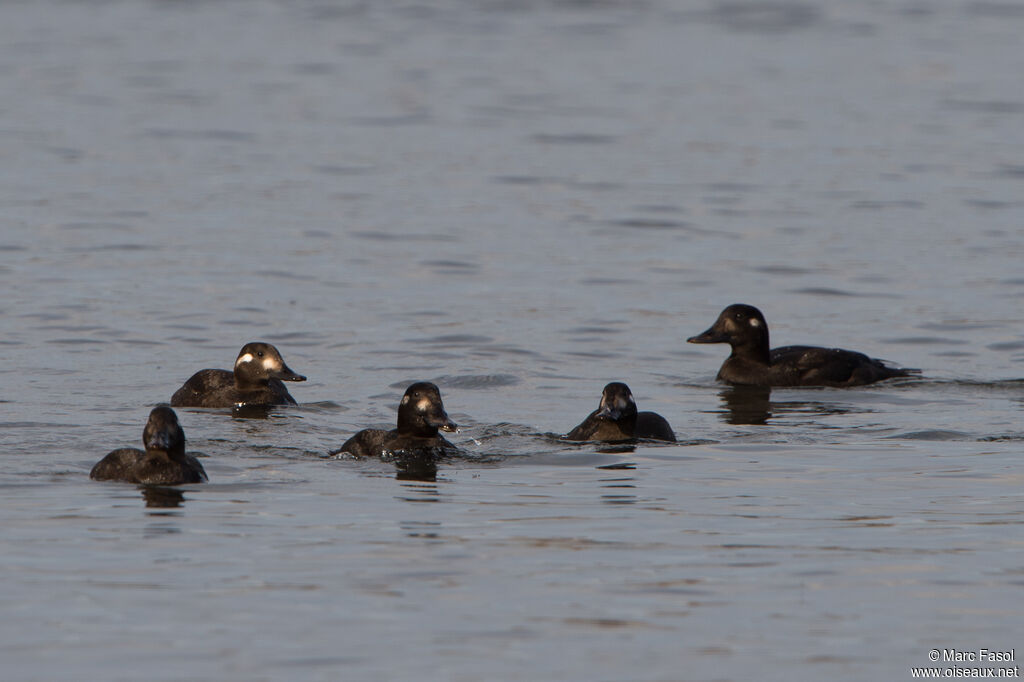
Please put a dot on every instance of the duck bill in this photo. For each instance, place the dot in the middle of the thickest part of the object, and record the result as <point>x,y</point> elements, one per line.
<point>609,412</point>
<point>442,422</point>
<point>160,440</point>
<point>710,336</point>
<point>286,374</point>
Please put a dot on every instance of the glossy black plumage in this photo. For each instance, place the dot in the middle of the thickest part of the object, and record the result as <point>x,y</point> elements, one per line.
<point>616,419</point>
<point>256,380</point>
<point>420,416</point>
<point>752,363</point>
<point>164,462</point>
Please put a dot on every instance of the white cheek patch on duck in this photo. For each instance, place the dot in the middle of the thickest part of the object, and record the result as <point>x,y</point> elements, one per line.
<point>754,322</point>
<point>242,359</point>
<point>271,363</point>
<point>423,405</point>
<point>405,400</point>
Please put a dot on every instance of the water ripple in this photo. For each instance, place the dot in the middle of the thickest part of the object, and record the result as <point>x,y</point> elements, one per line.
<point>476,381</point>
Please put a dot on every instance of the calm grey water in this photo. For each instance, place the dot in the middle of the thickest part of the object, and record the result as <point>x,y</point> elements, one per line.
<point>521,201</point>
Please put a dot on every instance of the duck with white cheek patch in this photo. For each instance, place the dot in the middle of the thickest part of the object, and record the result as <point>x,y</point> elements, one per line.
<point>616,419</point>
<point>256,380</point>
<point>421,416</point>
<point>751,363</point>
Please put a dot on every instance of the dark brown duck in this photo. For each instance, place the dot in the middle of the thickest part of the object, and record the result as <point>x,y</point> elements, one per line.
<point>421,416</point>
<point>751,363</point>
<point>164,462</point>
<point>256,380</point>
<point>616,419</point>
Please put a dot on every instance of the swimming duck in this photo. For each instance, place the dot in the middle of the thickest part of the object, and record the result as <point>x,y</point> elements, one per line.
<point>616,419</point>
<point>256,380</point>
<point>164,461</point>
<point>420,416</point>
<point>751,363</point>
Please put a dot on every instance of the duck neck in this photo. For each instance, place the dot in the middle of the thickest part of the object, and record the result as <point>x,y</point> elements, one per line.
<point>172,455</point>
<point>414,425</point>
<point>627,423</point>
<point>756,350</point>
<point>249,383</point>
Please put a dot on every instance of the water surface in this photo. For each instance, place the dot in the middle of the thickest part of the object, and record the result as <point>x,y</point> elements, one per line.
<point>520,201</point>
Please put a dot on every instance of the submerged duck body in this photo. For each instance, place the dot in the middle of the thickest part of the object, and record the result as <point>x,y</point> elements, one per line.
<point>752,363</point>
<point>256,380</point>
<point>616,419</point>
<point>420,416</point>
<point>164,461</point>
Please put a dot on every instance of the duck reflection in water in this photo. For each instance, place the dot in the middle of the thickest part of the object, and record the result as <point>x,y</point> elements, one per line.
<point>619,489</point>
<point>416,468</point>
<point>753,405</point>
<point>746,404</point>
<point>160,497</point>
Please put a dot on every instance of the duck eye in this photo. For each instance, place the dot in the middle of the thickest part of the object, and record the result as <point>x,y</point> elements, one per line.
<point>259,354</point>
